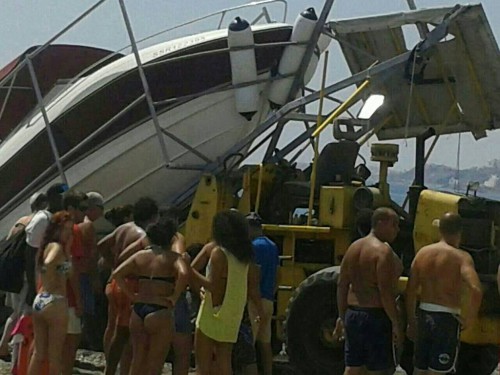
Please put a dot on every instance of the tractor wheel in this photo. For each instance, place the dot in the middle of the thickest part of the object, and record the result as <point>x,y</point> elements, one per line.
<point>477,359</point>
<point>310,321</point>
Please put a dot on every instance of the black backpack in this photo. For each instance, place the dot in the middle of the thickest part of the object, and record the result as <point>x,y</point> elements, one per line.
<point>12,262</point>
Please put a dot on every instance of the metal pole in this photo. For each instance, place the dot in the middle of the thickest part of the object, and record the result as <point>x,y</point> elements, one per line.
<point>341,108</point>
<point>145,84</point>
<point>420,160</point>
<point>259,188</point>
<point>41,48</point>
<point>7,96</point>
<point>39,99</point>
<point>316,142</point>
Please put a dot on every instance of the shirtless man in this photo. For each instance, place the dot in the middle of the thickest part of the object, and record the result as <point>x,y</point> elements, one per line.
<point>366,298</point>
<point>75,202</point>
<point>441,271</point>
<point>91,289</point>
<point>111,247</point>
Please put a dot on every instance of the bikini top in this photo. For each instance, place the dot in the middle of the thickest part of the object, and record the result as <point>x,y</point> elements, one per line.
<point>63,269</point>
<point>167,279</point>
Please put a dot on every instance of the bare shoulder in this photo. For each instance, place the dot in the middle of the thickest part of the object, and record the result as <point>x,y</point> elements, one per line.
<point>355,246</point>
<point>217,256</point>
<point>179,236</point>
<point>208,248</point>
<point>465,257</point>
<point>425,251</point>
<point>53,252</point>
<point>142,256</point>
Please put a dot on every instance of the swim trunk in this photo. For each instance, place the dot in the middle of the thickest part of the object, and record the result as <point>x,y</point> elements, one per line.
<point>368,339</point>
<point>121,304</point>
<point>182,315</point>
<point>87,295</point>
<point>437,342</point>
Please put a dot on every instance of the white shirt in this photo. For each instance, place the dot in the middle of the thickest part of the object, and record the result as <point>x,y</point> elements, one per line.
<point>35,230</point>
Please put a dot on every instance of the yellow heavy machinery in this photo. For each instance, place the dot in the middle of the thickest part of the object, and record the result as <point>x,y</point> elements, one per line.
<point>447,84</point>
<point>311,254</point>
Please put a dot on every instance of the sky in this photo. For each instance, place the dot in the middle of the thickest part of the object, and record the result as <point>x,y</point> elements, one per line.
<point>24,23</point>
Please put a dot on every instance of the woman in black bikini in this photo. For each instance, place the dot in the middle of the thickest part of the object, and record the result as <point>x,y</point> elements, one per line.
<point>50,308</point>
<point>163,276</point>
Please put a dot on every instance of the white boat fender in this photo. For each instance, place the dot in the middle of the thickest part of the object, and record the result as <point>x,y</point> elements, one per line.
<point>292,57</point>
<point>243,67</point>
<point>323,44</point>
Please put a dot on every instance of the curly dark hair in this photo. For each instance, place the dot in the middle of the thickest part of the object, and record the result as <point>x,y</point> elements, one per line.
<point>53,232</point>
<point>161,233</point>
<point>117,215</point>
<point>145,209</point>
<point>230,231</point>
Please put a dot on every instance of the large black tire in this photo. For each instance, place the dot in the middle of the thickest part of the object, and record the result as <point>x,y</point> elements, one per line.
<point>311,315</point>
<point>477,359</point>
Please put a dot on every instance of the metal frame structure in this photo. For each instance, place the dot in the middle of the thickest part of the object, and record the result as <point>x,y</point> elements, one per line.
<point>160,133</point>
<point>376,73</point>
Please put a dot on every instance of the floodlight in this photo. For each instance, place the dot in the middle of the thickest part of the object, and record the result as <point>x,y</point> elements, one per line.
<point>373,103</point>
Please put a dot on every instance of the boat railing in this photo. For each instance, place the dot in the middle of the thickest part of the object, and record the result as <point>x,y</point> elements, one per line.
<point>264,14</point>
<point>59,159</point>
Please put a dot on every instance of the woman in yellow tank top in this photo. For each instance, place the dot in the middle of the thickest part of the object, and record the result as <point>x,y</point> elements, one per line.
<point>225,287</point>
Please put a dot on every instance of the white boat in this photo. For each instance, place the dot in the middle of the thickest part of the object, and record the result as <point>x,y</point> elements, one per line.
<point>116,151</point>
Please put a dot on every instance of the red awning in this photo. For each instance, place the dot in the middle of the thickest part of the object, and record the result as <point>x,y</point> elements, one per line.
<point>52,64</point>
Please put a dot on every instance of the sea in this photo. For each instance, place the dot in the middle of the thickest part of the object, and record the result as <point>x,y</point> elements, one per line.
<point>399,192</point>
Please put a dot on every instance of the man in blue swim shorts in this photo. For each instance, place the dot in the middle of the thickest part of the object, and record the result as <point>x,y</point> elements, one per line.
<point>441,271</point>
<point>366,298</point>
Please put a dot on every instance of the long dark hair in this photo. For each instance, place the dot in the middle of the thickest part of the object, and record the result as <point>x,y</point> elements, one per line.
<point>230,231</point>
<point>53,232</point>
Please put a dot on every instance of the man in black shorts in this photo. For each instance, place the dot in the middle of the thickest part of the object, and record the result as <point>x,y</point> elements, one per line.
<point>441,271</point>
<point>366,297</point>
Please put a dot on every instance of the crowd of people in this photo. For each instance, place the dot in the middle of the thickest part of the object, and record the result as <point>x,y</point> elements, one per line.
<point>216,299</point>
<point>160,295</point>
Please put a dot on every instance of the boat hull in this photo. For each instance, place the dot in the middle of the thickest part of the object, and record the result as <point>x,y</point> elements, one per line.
<point>124,161</point>
<point>132,165</point>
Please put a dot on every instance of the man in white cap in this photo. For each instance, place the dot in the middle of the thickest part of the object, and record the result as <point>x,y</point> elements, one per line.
<point>16,301</point>
<point>93,228</point>
<point>38,201</point>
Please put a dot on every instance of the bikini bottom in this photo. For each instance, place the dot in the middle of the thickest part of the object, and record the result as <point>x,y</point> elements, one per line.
<point>42,300</point>
<point>144,309</point>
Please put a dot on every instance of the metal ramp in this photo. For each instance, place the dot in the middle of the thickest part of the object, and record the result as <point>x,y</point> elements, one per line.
<point>455,85</point>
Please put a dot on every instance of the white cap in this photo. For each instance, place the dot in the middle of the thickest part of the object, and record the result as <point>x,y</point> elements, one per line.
<point>95,199</point>
<point>36,199</point>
